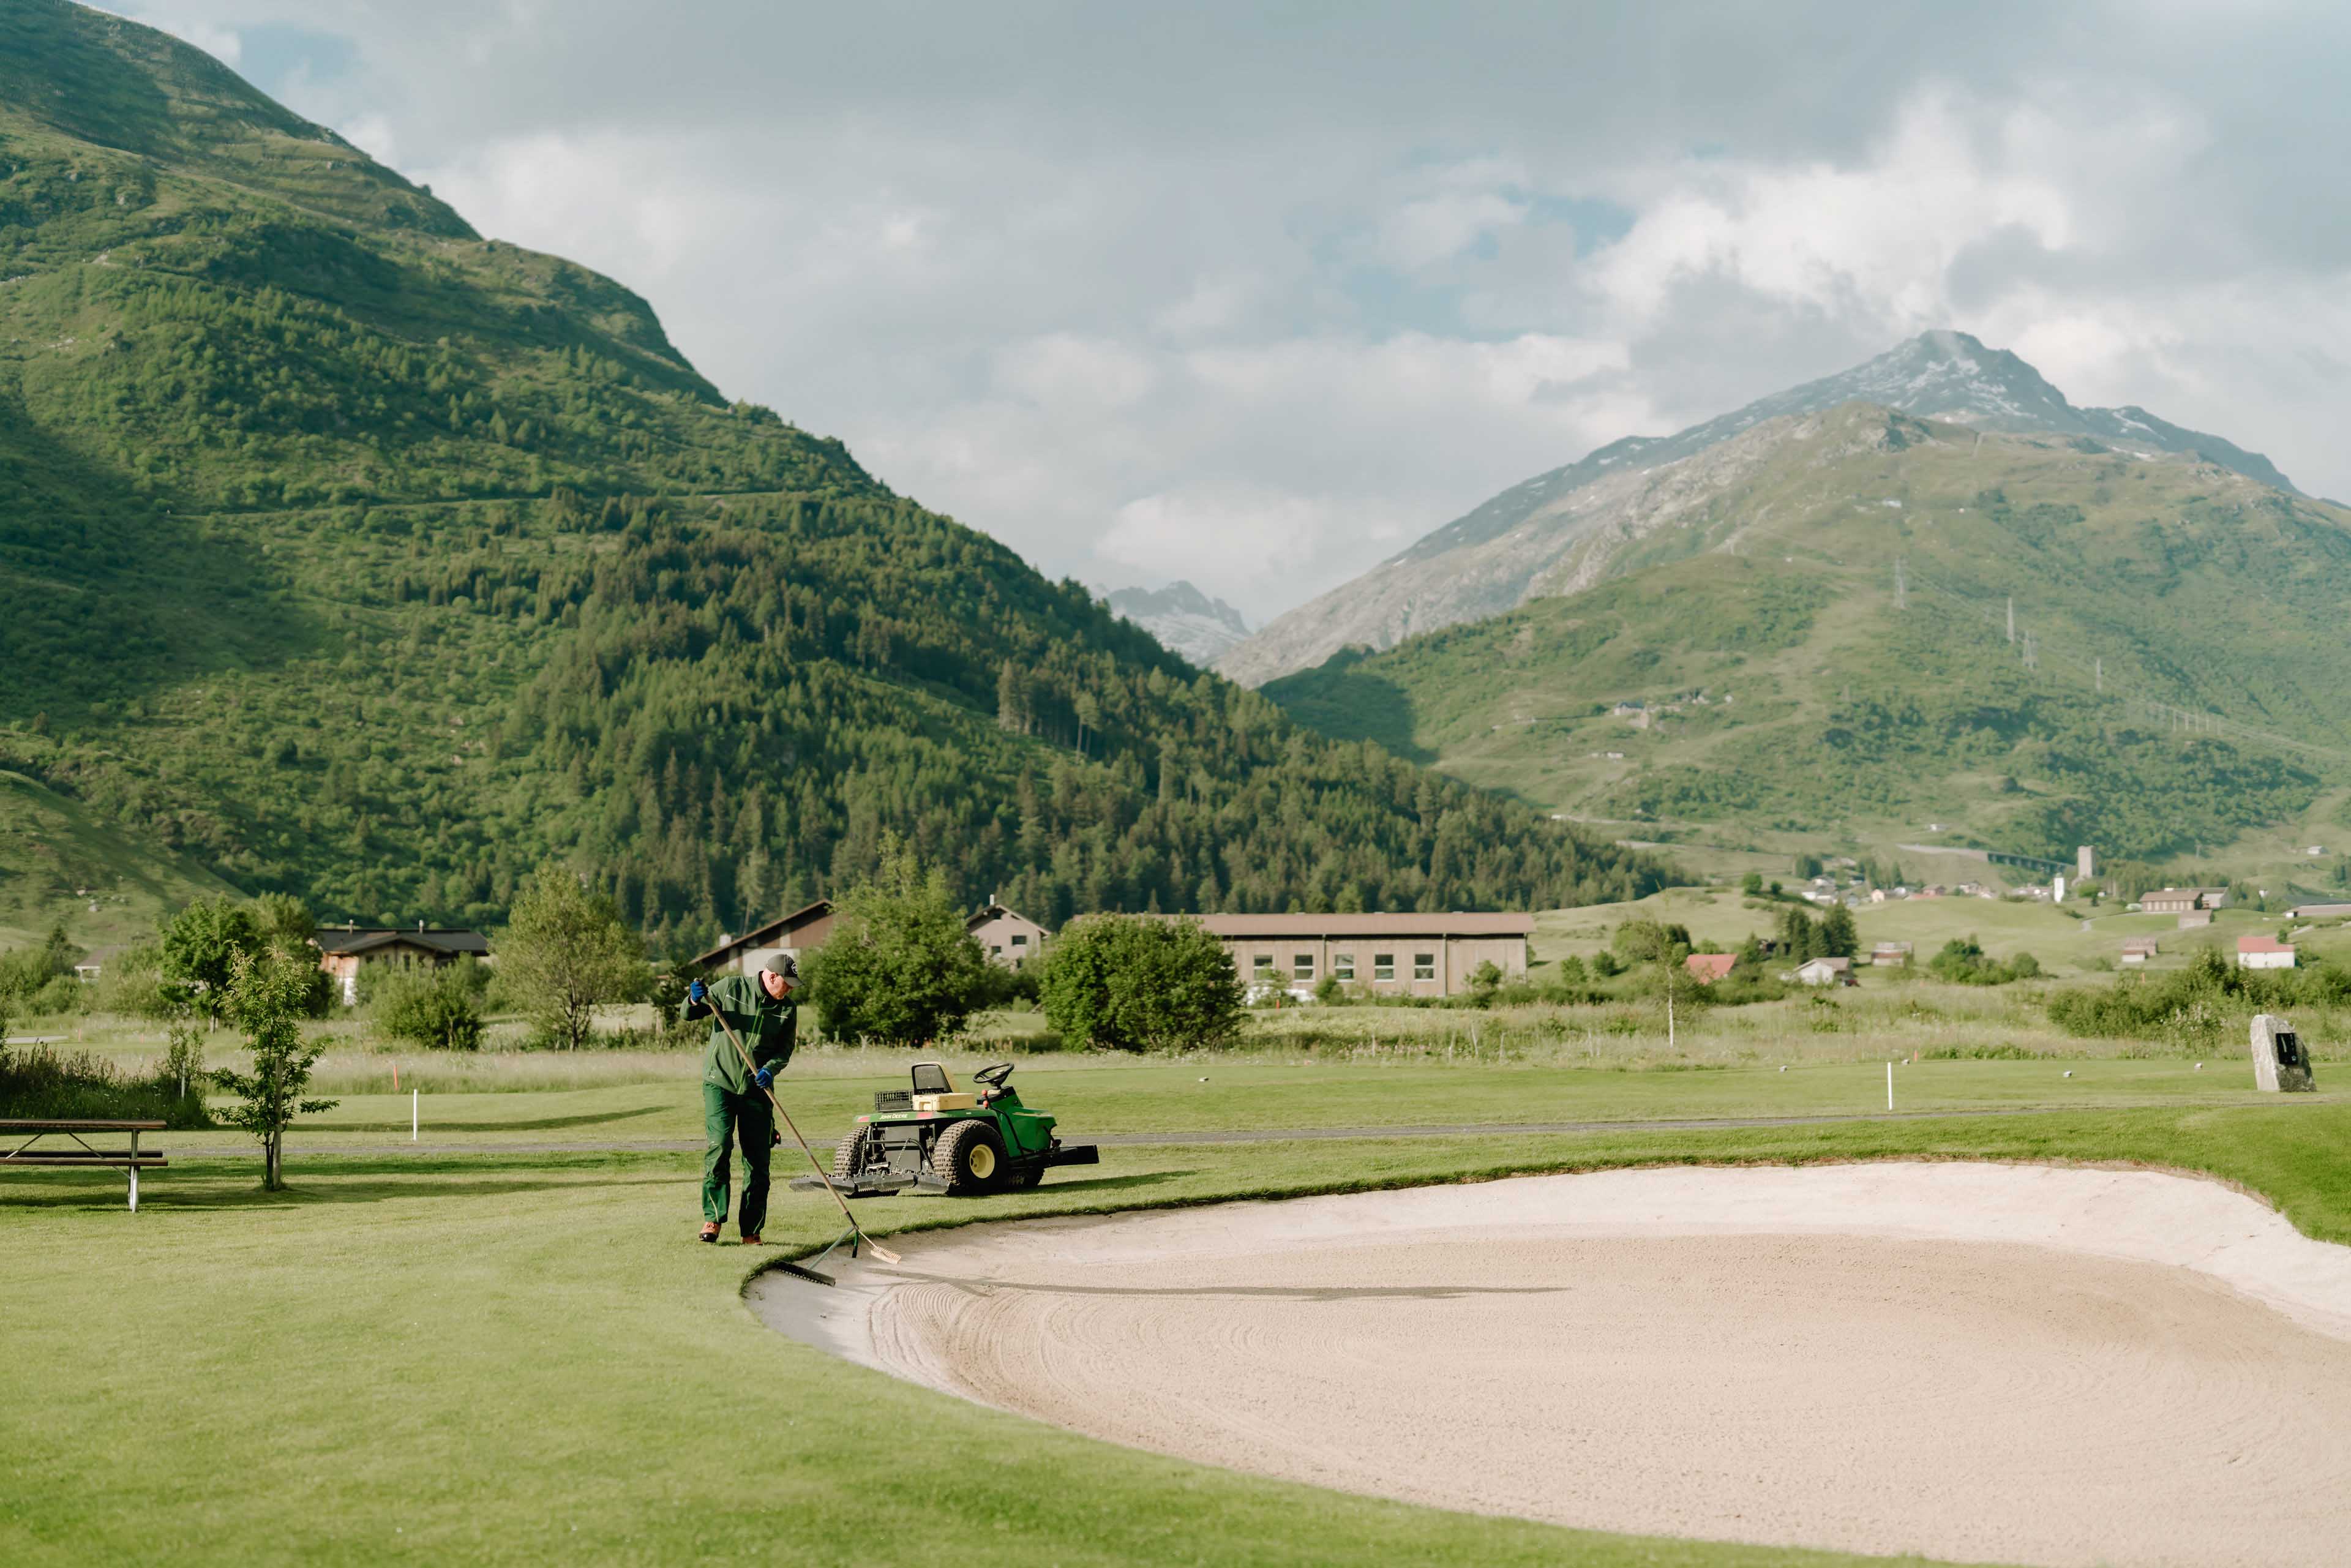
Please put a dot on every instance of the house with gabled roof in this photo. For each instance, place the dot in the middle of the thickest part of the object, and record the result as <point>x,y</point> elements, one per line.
<point>344,951</point>
<point>803,930</point>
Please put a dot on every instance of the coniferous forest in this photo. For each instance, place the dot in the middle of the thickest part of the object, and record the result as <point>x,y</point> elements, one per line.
<point>359,558</point>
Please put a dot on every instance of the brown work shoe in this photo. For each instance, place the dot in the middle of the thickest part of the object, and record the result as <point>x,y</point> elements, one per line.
<point>710,1230</point>
<point>751,1240</point>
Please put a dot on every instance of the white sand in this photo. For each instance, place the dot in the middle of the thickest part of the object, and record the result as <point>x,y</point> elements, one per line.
<point>1982,1362</point>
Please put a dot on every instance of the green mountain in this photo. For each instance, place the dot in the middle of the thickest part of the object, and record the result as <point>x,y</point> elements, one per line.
<point>347,553</point>
<point>1813,639</point>
<point>1556,533</point>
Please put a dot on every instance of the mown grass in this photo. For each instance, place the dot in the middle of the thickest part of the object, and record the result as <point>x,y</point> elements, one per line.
<point>1093,1097</point>
<point>494,1359</point>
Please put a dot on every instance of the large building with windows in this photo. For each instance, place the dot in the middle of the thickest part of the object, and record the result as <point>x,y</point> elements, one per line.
<point>1400,955</point>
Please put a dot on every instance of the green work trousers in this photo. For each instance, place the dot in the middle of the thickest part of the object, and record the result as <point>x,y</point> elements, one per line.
<point>747,1119</point>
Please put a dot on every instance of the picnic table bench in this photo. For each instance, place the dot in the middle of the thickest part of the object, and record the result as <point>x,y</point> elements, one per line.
<point>131,1161</point>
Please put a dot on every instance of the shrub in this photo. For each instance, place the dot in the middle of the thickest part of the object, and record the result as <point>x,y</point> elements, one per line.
<point>1963,962</point>
<point>1131,983</point>
<point>438,1009</point>
<point>2194,1008</point>
<point>899,967</point>
<point>132,985</point>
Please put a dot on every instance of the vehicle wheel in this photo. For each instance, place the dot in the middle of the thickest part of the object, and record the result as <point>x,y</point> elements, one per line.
<point>1032,1176</point>
<point>845,1156</point>
<point>969,1157</point>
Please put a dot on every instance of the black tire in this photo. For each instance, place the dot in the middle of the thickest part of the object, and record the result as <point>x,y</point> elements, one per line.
<point>845,1156</point>
<point>969,1157</point>
<point>1030,1176</point>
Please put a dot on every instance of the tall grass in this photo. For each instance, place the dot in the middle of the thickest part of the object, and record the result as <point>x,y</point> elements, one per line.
<point>40,1083</point>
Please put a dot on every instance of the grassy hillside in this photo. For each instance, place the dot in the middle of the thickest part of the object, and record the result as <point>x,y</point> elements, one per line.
<point>346,553</point>
<point>60,865</point>
<point>1786,696</point>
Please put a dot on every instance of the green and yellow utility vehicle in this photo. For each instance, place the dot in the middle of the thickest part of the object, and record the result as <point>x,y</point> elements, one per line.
<point>931,1137</point>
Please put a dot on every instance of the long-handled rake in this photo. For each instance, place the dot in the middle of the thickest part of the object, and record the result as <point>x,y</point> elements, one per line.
<point>855,1235</point>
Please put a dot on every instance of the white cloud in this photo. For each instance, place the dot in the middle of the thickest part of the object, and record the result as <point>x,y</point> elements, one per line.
<point>1110,282</point>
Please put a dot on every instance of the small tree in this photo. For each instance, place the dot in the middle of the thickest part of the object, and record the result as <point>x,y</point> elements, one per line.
<point>1751,884</point>
<point>899,967</point>
<point>265,997</point>
<point>200,949</point>
<point>1133,983</point>
<point>283,920</point>
<point>1839,937</point>
<point>566,950</point>
<point>1485,980</point>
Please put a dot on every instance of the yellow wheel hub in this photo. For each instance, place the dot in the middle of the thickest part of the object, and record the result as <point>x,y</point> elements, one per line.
<point>982,1161</point>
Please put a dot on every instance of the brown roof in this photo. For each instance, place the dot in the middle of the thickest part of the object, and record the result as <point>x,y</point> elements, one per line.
<point>1709,968</point>
<point>353,939</point>
<point>2263,945</point>
<point>806,915</point>
<point>1475,924</point>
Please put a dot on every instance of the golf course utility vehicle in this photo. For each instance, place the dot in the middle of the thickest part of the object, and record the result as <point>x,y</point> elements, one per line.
<point>930,1138</point>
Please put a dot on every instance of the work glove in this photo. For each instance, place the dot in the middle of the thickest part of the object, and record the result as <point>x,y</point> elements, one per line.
<point>696,992</point>
<point>765,1078</point>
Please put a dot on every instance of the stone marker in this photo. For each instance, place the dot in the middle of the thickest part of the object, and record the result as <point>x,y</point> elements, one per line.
<point>2281,1063</point>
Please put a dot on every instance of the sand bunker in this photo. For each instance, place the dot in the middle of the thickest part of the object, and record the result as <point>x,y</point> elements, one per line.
<point>2014,1364</point>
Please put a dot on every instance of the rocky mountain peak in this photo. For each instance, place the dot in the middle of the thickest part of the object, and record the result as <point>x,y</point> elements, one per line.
<point>1183,617</point>
<point>1508,548</point>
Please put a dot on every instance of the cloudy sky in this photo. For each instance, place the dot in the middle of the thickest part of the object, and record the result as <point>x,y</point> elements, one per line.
<point>1256,292</point>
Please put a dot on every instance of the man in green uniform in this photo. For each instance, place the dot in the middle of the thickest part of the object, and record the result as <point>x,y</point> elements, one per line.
<point>734,1097</point>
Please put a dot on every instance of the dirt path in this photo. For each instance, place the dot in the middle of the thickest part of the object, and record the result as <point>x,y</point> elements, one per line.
<point>2015,1363</point>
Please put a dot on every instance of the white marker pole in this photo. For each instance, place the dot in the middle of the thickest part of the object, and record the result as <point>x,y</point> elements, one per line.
<point>1889,1086</point>
<point>412,1110</point>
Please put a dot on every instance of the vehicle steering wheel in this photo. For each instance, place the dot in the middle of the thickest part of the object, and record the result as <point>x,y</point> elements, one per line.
<point>993,1077</point>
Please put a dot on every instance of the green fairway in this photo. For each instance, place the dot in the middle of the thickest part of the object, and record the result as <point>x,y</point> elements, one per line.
<point>524,1357</point>
<point>1093,1097</point>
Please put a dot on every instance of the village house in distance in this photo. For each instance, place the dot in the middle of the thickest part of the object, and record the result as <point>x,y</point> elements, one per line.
<point>1385,955</point>
<point>343,953</point>
<point>1007,936</point>
<point>796,933</point>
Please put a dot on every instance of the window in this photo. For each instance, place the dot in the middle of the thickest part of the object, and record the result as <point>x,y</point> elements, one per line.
<point>994,952</point>
<point>1383,965</point>
<point>1424,966</point>
<point>1263,966</point>
<point>1021,939</point>
<point>1302,965</point>
<point>1342,966</point>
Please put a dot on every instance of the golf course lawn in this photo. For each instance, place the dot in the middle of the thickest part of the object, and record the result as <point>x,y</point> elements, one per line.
<point>524,1357</point>
<point>1093,1098</point>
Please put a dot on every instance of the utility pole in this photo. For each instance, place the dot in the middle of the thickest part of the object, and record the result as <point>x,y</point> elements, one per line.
<point>2011,618</point>
<point>1901,588</point>
<point>2031,660</point>
<point>2098,672</point>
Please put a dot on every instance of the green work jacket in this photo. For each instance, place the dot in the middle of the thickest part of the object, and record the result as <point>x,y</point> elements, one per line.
<point>769,1029</point>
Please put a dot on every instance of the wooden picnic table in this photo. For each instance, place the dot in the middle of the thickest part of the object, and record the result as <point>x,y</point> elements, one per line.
<point>131,1161</point>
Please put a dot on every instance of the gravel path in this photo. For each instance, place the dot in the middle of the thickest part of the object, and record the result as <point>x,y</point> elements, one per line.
<point>1980,1362</point>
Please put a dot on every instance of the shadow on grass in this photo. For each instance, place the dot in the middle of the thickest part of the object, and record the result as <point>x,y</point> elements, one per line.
<point>236,1183</point>
<point>299,1195</point>
<point>542,1124</point>
<point>1112,1184</point>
